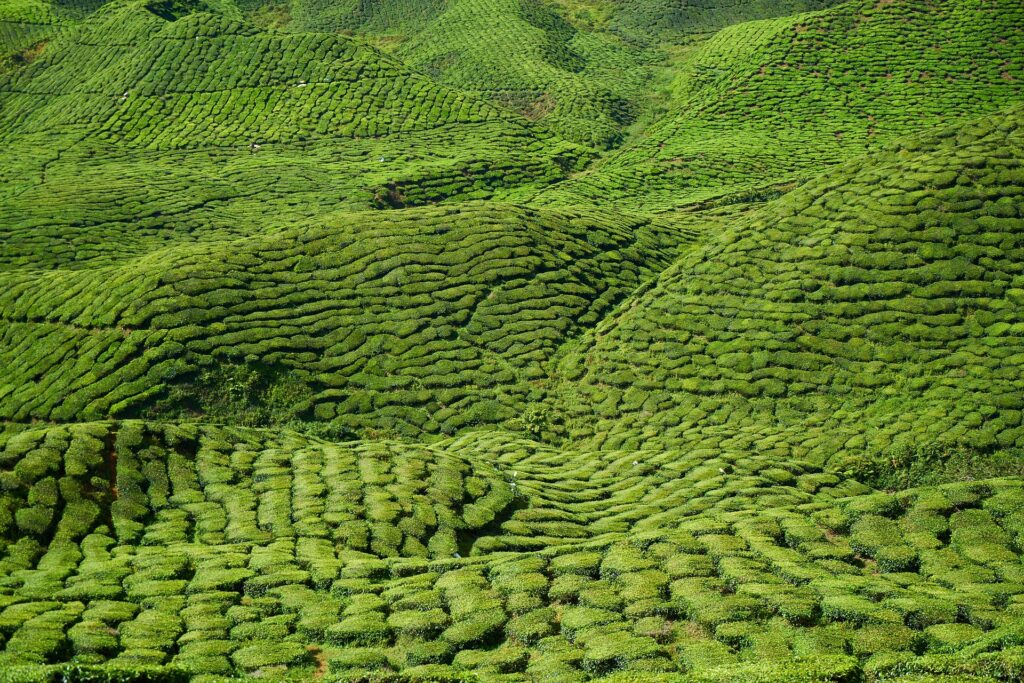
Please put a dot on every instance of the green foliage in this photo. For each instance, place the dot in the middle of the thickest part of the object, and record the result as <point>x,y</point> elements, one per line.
<point>253,657</point>
<point>339,356</point>
<point>364,361</point>
<point>83,673</point>
<point>905,466</point>
<point>763,103</point>
<point>815,290</point>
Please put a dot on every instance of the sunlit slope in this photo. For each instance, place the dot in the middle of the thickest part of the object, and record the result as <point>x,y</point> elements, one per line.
<point>22,26</point>
<point>335,345</point>
<point>524,55</point>
<point>583,68</point>
<point>396,18</point>
<point>139,127</point>
<point>588,85</point>
<point>878,305</point>
<point>771,101</point>
<point>679,20</point>
<point>27,26</point>
<point>235,551</point>
<point>237,84</point>
<point>407,321</point>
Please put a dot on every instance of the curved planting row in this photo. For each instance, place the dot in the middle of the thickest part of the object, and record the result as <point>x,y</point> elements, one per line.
<point>226,551</point>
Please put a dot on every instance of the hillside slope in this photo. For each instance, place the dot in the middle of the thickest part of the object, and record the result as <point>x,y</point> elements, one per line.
<point>585,85</point>
<point>27,26</point>
<point>511,341</point>
<point>137,126</point>
<point>675,21</point>
<point>409,321</point>
<point>584,69</point>
<point>880,304</point>
<point>768,102</point>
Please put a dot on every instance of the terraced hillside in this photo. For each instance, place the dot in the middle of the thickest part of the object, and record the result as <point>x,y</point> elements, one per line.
<point>583,69</point>
<point>421,320</point>
<point>877,305</point>
<point>27,26</point>
<point>511,341</point>
<point>683,20</point>
<point>522,54</point>
<point>768,102</point>
<point>199,125</point>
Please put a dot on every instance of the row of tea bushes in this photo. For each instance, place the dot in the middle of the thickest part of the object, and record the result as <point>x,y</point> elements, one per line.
<point>224,551</point>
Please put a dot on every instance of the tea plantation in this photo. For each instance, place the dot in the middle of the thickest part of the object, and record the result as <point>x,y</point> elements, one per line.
<point>512,341</point>
<point>765,102</point>
<point>223,550</point>
<point>877,305</point>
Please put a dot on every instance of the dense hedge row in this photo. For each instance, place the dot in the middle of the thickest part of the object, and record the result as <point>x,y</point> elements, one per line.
<point>223,551</point>
<point>878,306</point>
<point>93,673</point>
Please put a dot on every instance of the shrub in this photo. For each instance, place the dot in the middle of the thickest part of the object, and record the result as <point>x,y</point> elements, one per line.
<point>430,652</point>
<point>216,579</point>
<point>617,650</point>
<point>478,629</point>
<point>882,539</point>
<point>418,624</point>
<point>93,636</point>
<point>942,636</point>
<point>35,520</point>
<point>505,659</point>
<point>151,629</point>
<point>875,638</point>
<point>106,673</point>
<point>265,654</point>
<point>364,629</point>
<point>110,611</point>
<point>683,565</point>
<point>857,610</point>
<point>567,588</point>
<point>358,658</point>
<point>532,626</point>
<point>577,619</point>
<point>584,563</point>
